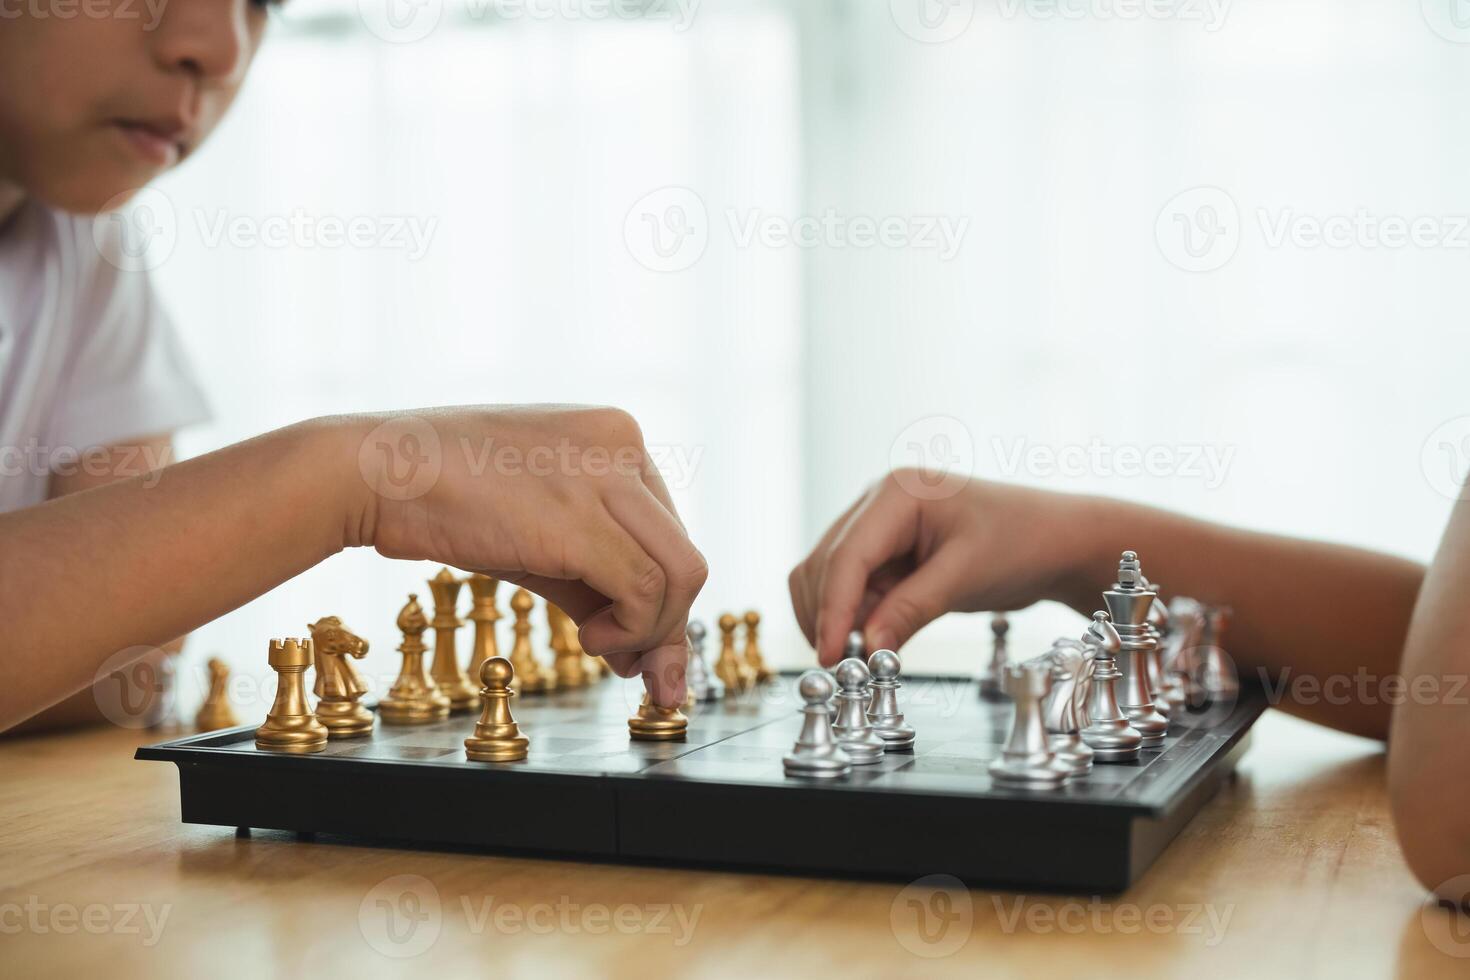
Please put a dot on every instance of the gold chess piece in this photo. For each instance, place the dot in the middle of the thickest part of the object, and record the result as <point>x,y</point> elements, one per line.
<point>533,680</point>
<point>655,724</point>
<point>413,699</point>
<point>734,673</point>
<point>338,685</point>
<point>497,737</point>
<point>484,615</point>
<point>568,663</point>
<point>448,678</point>
<point>290,726</point>
<point>215,713</point>
<point>753,657</point>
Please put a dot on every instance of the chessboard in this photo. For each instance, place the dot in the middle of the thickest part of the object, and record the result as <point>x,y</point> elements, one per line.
<point>720,798</point>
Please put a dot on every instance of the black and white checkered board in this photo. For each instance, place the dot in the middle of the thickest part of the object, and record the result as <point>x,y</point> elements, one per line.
<point>721,797</point>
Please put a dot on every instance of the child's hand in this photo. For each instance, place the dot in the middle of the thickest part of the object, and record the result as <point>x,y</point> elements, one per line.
<point>561,500</point>
<point>896,560</point>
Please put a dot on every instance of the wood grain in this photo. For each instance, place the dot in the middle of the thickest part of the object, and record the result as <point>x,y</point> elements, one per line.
<point>1292,871</point>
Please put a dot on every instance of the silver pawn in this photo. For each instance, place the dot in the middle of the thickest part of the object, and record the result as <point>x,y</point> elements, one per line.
<point>854,733</point>
<point>1184,663</point>
<point>854,649</point>
<point>1217,674</point>
<point>1128,605</point>
<point>1108,733</point>
<point>816,754</point>
<point>883,711</point>
<point>1027,760</point>
<point>703,684</point>
<point>990,681</point>
<point>1060,714</point>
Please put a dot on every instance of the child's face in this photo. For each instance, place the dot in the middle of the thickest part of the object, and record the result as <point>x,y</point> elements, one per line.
<point>98,103</point>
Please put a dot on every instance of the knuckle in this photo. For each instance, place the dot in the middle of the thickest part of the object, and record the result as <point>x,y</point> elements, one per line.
<point>649,583</point>
<point>910,611</point>
<point>696,574</point>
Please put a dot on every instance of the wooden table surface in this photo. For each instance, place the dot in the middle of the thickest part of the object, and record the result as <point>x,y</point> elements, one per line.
<point>1292,871</point>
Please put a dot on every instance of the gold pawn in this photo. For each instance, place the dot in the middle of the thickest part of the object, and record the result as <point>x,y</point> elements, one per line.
<point>216,713</point>
<point>497,737</point>
<point>568,663</point>
<point>413,699</point>
<point>655,724</point>
<point>484,615</point>
<point>532,679</point>
<point>290,726</point>
<point>735,674</point>
<point>448,678</point>
<point>753,658</point>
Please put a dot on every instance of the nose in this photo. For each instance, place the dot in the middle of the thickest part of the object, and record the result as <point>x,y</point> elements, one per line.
<point>208,39</point>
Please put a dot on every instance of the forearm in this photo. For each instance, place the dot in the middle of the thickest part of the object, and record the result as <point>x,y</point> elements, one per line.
<point>1321,623</point>
<point>142,561</point>
<point>1427,767</point>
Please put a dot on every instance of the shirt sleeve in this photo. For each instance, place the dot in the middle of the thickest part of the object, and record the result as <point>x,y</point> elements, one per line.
<point>128,376</point>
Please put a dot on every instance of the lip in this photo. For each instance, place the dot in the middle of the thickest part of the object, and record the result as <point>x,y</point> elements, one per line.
<point>160,143</point>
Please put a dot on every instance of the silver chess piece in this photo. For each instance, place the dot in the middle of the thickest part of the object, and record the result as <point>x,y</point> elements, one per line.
<point>1060,710</point>
<point>1128,605</point>
<point>883,713</point>
<point>1027,760</point>
<point>854,649</point>
<point>1216,671</point>
<point>816,754</point>
<point>1108,732</point>
<point>1187,617</point>
<point>854,733</point>
<point>990,681</point>
<point>1157,627</point>
<point>703,684</point>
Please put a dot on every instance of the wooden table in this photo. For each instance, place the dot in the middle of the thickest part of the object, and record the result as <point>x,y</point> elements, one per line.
<point>1291,871</point>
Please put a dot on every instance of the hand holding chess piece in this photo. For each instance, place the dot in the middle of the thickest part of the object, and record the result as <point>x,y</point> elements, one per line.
<point>290,726</point>
<point>497,737</point>
<point>215,713</point>
<point>655,724</point>
<point>338,685</point>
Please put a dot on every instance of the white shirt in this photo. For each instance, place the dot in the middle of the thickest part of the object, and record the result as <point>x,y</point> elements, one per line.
<point>87,356</point>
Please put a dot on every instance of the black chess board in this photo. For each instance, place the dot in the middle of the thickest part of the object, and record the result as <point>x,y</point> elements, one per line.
<point>721,798</point>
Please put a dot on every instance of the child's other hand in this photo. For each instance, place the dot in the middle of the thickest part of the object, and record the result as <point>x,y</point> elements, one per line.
<point>560,499</point>
<point>896,559</point>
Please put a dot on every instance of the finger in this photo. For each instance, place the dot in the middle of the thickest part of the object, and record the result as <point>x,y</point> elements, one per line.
<point>682,573</point>
<point>654,481</point>
<point>801,604</point>
<point>613,563</point>
<point>663,673</point>
<point>804,577</point>
<point>577,599</point>
<point>883,529</point>
<point>918,600</point>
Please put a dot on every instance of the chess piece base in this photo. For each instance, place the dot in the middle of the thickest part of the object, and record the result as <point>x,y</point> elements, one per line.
<point>411,713</point>
<point>213,721</point>
<point>655,724</point>
<point>815,765</point>
<point>344,719</point>
<point>301,740</point>
<point>540,684</point>
<point>1115,755</point>
<point>1027,775</point>
<point>863,751</point>
<point>510,749</point>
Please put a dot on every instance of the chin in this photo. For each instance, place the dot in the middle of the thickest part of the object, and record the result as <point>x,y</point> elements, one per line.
<point>91,190</point>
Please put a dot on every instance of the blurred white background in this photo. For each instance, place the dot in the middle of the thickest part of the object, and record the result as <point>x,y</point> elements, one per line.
<point>730,217</point>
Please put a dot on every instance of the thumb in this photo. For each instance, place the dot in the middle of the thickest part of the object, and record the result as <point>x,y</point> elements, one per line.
<point>917,600</point>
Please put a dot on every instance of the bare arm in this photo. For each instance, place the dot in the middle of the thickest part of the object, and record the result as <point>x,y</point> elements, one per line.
<point>1428,774</point>
<point>895,561</point>
<point>150,558</point>
<point>100,467</point>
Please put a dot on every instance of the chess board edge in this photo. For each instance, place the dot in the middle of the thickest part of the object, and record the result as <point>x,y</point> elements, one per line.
<point>860,827</point>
